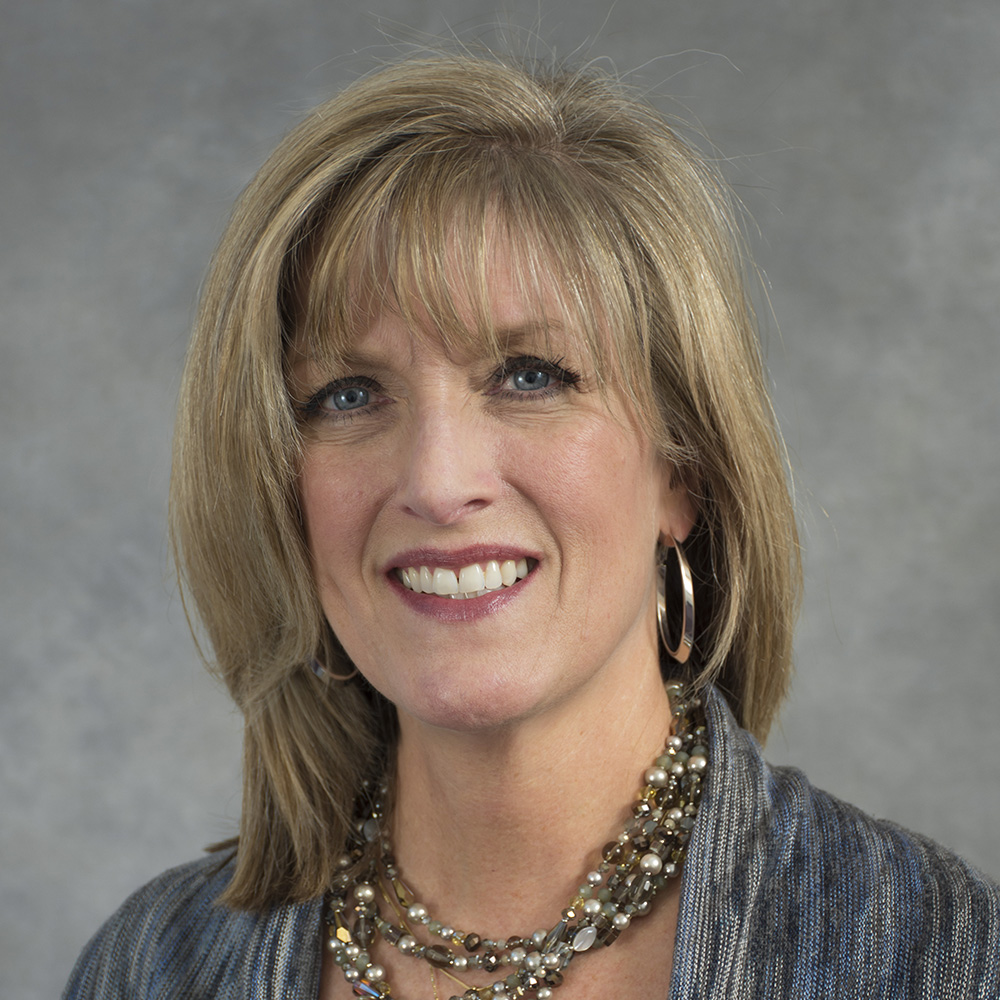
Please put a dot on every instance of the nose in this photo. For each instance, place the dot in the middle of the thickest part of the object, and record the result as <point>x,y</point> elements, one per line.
<point>449,469</point>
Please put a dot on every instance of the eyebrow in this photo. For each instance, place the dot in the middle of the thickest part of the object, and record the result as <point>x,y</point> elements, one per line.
<point>530,328</point>
<point>514,336</point>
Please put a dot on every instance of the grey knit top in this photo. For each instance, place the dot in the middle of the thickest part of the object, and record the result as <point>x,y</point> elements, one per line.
<point>786,892</point>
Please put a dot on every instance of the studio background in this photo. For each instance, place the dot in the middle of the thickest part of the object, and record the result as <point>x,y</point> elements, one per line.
<point>864,139</point>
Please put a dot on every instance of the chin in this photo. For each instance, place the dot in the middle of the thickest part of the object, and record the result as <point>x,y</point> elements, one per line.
<point>484,705</point>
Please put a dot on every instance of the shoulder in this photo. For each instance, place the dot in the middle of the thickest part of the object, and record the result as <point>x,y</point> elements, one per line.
<point>827,896</point>
<point>172,938</point>
<point>911,915</point>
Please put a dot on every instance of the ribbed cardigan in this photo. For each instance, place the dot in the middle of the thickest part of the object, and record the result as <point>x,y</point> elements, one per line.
<point>787,892</point>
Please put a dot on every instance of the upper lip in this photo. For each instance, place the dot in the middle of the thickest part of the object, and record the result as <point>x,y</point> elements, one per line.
<point>455,559</point>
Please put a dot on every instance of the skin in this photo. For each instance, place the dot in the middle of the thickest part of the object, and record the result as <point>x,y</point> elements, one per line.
<point>526,718</point>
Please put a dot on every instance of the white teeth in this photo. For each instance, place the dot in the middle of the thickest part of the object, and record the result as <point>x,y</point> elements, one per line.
<point>445,582</point>
<point>473,580</point>
<point>493,578</point>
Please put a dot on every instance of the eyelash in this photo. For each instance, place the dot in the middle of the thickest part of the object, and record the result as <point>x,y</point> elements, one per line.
<point>313,407</point>
<point>556,370</point>
<point>562,376</point>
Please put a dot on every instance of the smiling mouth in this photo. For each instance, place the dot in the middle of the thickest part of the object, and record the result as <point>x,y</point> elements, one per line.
<point>474,580</point>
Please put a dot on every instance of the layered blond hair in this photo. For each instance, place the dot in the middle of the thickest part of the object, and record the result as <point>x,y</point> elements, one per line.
<point>598,197</point>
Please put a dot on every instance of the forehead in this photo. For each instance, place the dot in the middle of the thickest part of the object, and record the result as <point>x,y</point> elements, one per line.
<point>504,304</point>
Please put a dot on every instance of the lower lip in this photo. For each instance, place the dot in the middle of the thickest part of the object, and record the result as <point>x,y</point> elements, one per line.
<point>449,609</point>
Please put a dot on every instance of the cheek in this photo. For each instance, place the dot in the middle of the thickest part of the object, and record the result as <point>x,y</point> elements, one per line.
<point>605,483</point>
<point>336,510</point>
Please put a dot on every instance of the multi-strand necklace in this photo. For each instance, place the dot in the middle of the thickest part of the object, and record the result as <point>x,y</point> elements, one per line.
<point>632,870</point>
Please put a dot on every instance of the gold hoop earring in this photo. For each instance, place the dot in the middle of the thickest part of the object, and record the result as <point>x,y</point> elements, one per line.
<point>682,650</point>
<point>326,676</point>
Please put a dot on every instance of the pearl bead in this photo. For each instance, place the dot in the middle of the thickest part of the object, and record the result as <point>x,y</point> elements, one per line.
<point>460,962</point>
<point>517,955</point>
<point>407,944</point>
<point>364,893</point>
<point>376,973</point>
<point>592,907</point>
<point>651,864</point>
<point>539,936</point>
<point>551,960</point>
<point>417,912</point>
<point>620,921</point>
<point>544,993</point>
<point>352,975</point>
<point>656,776</point>
<point>595,878</point>
<point>352,951</point>
<point>532,961</point>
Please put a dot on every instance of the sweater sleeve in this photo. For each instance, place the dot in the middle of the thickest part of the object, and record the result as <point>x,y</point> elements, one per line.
<point>169,939</point>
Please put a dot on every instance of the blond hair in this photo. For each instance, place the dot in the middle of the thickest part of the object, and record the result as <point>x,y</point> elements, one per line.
<point>598,197</point>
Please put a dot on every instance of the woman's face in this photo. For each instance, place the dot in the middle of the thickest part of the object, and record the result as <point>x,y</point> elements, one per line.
<point>518,485</point>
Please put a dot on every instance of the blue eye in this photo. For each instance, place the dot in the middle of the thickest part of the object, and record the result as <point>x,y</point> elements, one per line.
<point>530,379</point>
<point>350,398</point>
<point>343,398</point>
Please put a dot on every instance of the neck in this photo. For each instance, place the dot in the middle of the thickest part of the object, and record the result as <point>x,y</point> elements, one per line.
<point>502,827</point>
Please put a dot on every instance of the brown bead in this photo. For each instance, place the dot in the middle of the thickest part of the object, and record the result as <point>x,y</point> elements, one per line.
<point>607,935</point>
<point>437,956</point>
<point>472,942</point>
<point>612,851</point>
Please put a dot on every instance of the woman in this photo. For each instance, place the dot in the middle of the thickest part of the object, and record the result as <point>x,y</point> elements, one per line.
<point>473,427</point>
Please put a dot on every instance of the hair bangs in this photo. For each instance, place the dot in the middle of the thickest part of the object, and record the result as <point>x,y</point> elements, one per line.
<point>426,229</point>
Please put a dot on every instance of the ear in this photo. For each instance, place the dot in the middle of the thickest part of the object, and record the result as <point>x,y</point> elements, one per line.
<point>677,510</point>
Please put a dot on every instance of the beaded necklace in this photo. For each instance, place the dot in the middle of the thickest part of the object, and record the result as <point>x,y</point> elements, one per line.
<point>632,870</point>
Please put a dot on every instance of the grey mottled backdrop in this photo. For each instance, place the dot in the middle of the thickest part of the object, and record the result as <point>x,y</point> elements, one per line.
<point>865,140</point>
